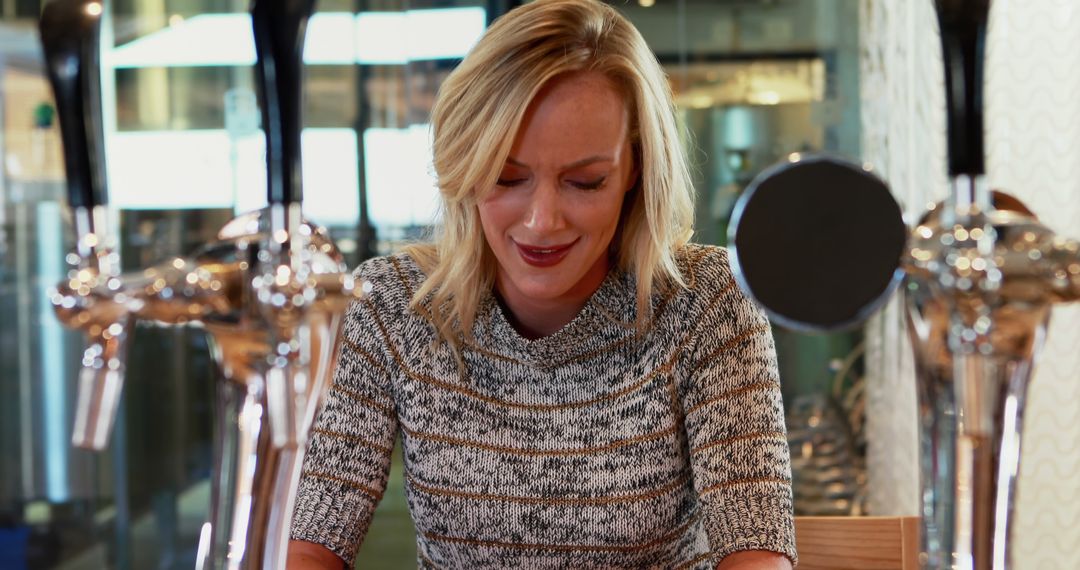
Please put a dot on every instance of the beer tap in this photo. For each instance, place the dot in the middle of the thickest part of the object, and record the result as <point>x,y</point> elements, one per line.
<point>271,291</point>
<point>980,275</point>
<point>89,299</point>
<point>981,282</point>
<point>283,290</point>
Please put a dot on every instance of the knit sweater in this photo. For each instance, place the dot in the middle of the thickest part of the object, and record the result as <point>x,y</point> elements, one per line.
<point>594,447</point>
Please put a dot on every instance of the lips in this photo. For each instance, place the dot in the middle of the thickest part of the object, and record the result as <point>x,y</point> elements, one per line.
<point>545,256</point>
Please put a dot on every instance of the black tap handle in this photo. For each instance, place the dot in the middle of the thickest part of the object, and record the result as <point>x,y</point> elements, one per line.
<point>279,27</point>
<point>70,32</point>
<point>963,41</point>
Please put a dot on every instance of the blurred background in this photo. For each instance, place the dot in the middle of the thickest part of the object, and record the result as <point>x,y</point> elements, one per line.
<point>755,80</point>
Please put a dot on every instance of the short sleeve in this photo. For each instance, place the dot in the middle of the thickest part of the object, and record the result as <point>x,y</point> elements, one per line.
<point>735,422</point>
<point>348,460</point>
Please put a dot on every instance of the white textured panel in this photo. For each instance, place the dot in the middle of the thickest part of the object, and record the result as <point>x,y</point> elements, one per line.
<point>1033,138</point>
<point>903,119</point>
<point>1033,141</point>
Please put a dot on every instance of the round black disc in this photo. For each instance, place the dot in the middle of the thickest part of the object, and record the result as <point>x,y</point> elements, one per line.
<point>817,242</point>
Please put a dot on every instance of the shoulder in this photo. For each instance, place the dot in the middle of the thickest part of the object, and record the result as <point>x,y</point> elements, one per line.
<point>390,281</point>
<point>398,270</point>
<point>397,266</point>
<point>705,269</point>
<point>712,297</point>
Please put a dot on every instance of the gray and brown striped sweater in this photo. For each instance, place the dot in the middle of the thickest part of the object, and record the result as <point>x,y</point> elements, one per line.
<point>594,447</point>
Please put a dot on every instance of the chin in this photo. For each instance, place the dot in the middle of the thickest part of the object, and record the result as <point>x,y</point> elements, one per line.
<point>543,290</point>
<point>543,293</point>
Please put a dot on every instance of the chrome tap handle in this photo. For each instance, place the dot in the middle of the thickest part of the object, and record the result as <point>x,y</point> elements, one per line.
<point>89,300</point>
<point>284,288</point>
<point>70,34</point>
<point>963,41</point>
<point>279,27</point>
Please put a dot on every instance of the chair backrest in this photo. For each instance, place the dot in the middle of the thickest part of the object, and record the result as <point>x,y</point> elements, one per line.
<point>857,543</point>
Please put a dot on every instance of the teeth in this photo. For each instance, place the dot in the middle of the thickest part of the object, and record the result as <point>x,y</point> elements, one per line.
<point>542,250</point>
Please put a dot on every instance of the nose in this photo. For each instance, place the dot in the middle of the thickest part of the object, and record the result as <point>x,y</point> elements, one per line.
<point>545,210</point>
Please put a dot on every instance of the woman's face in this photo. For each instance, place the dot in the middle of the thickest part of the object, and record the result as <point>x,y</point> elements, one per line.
<point>552,215</point>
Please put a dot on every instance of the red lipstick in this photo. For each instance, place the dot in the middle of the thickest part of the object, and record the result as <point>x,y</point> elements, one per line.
<point>545,256</point>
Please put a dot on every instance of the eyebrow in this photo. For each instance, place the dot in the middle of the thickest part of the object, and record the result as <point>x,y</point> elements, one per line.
<point>572,165</point>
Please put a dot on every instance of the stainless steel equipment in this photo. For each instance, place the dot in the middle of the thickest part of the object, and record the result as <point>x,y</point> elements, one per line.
<point>980,276</point>
<point>272,290</point>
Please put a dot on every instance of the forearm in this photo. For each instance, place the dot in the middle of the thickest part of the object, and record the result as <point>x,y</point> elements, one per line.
<point>754,560</point>
<point>305,555</point>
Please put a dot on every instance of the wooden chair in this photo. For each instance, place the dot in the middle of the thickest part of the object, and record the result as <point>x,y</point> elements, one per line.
<point>857,543</point>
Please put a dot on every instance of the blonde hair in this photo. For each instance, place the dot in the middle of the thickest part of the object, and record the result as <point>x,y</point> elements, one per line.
<point>477,114</point>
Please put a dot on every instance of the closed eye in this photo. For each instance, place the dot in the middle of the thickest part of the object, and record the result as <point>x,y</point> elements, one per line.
<point>589,184</point>
<point>510,182</point>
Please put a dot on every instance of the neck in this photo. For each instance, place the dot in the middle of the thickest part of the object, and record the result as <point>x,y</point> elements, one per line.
<point>535,318</point>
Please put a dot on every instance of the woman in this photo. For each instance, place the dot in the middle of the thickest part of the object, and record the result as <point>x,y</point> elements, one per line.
<point>575,385</point>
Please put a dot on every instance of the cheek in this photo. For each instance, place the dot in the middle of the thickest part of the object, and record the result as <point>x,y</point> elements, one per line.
<point>493,219</point>
<point>503,209</point>
<point>602,217</point>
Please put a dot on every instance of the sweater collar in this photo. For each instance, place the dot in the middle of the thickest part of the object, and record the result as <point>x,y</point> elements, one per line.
<point>607,315</point>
